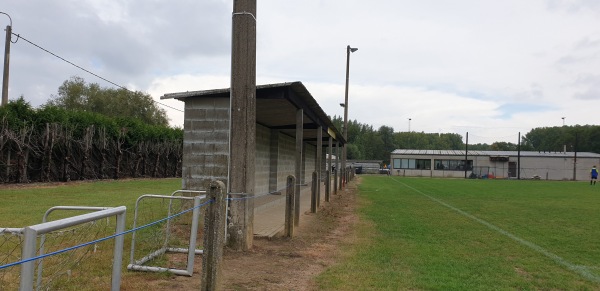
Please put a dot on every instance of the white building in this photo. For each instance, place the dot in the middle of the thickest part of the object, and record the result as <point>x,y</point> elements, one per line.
<point>494,164</point>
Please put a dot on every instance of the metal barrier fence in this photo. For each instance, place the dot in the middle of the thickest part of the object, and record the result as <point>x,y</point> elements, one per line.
<point>30,243</point>
<point>172,236</point>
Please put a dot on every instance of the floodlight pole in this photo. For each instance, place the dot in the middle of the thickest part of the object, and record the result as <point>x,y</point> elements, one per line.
<point>519,157</point>
<point>466,153</point>
<point>6,62</point>
<point>242,125</point>
<point>344,149</point>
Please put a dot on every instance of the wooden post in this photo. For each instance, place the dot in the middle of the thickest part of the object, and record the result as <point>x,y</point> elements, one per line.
<point>290,205</point>
<point>242,123</point>
<point>313,193</point>
<point>215,217</point>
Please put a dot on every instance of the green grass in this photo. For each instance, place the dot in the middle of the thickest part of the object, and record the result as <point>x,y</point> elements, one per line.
<point>23,206</point>
<point>455,234</point>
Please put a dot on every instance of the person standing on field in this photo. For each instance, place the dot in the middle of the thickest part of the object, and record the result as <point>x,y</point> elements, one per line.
<point>594,175</point>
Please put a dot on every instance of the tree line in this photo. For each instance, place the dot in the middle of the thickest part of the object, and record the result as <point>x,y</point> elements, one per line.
<point>368,143</point>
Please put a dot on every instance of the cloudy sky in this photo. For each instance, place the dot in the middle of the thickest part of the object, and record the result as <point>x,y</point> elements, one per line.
<point>490,68</point>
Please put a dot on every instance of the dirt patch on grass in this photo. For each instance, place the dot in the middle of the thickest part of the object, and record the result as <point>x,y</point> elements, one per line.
<point>293,264</point>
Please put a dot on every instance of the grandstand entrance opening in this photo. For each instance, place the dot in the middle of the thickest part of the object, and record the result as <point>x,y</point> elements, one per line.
<point>512,169</point>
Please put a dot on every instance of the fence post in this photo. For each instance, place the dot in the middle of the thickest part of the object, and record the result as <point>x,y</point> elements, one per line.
<point>289,206</point>
<point>29,251</point>
<point>327,185</point>
<point>313,193</point>
<point>118,249</point>
<point>214,236</point>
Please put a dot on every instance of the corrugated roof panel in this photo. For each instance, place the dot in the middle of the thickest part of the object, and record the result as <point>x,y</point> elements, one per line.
<point>492,153</point>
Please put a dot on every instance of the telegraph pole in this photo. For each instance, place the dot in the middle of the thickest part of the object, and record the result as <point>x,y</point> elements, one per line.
<point>6,61</point>
<point>519,157</point>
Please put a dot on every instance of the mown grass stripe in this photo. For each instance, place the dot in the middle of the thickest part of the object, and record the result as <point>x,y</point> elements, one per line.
<point>583,271</point>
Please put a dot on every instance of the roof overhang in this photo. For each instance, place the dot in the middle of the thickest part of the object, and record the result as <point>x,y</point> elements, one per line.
<point>276,107</point>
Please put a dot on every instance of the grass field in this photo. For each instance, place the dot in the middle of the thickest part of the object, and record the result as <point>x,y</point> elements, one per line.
<point>415,233</point>
<point>455,234</point>
<point>24,206</point>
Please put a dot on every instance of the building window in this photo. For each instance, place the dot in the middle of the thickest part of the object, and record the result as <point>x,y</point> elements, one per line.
<point>453,165</point>
<point>423,164</point>
<point>412,164</point>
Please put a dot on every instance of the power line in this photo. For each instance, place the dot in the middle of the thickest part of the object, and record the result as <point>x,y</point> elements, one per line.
<point>87,71</point>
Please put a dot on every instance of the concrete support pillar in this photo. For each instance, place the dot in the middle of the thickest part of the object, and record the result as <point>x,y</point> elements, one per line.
<point>319,166</point>
<point>273,160</point>
<point>343,168</point>
<point>327,185</point>
<point>337,167</point>
<point>329,167</point>
<point>303,178</point>
<point>298,170</point>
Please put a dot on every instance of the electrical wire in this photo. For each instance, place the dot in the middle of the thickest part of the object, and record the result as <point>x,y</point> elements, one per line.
<point>87,71</point>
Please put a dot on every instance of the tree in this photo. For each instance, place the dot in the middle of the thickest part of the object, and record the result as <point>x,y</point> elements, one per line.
<point>75,94</point>
<point>386,134</point>
<point>503,146</point>
<point>17,113</point>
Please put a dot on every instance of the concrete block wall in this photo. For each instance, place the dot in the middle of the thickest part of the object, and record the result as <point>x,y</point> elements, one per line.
<point>205,142</point>
<point>206,149</point>
<point>262,161</point>
<point>559,168</point>
<point>287,159</point>
<point>324,162</point>
<point>309,162</point>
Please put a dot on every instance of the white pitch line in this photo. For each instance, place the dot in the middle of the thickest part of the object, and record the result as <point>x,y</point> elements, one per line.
<point>589,267</point>
<point>583,271</point>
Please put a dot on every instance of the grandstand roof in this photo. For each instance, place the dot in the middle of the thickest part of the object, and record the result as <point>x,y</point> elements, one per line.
<point>276,107</point>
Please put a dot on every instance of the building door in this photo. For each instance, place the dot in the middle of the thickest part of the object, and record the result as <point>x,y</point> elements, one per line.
<point>512,169</point>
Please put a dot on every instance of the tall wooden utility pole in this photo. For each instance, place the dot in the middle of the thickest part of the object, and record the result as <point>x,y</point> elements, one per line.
<point>6,62</point>
<point>242,145</point>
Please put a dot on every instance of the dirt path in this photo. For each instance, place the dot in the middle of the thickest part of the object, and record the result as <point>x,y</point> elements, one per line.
<point>293,264</point>
<point>280,263</point>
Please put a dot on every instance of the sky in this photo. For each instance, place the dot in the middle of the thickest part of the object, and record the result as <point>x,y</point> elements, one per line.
<point>489,68</point>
